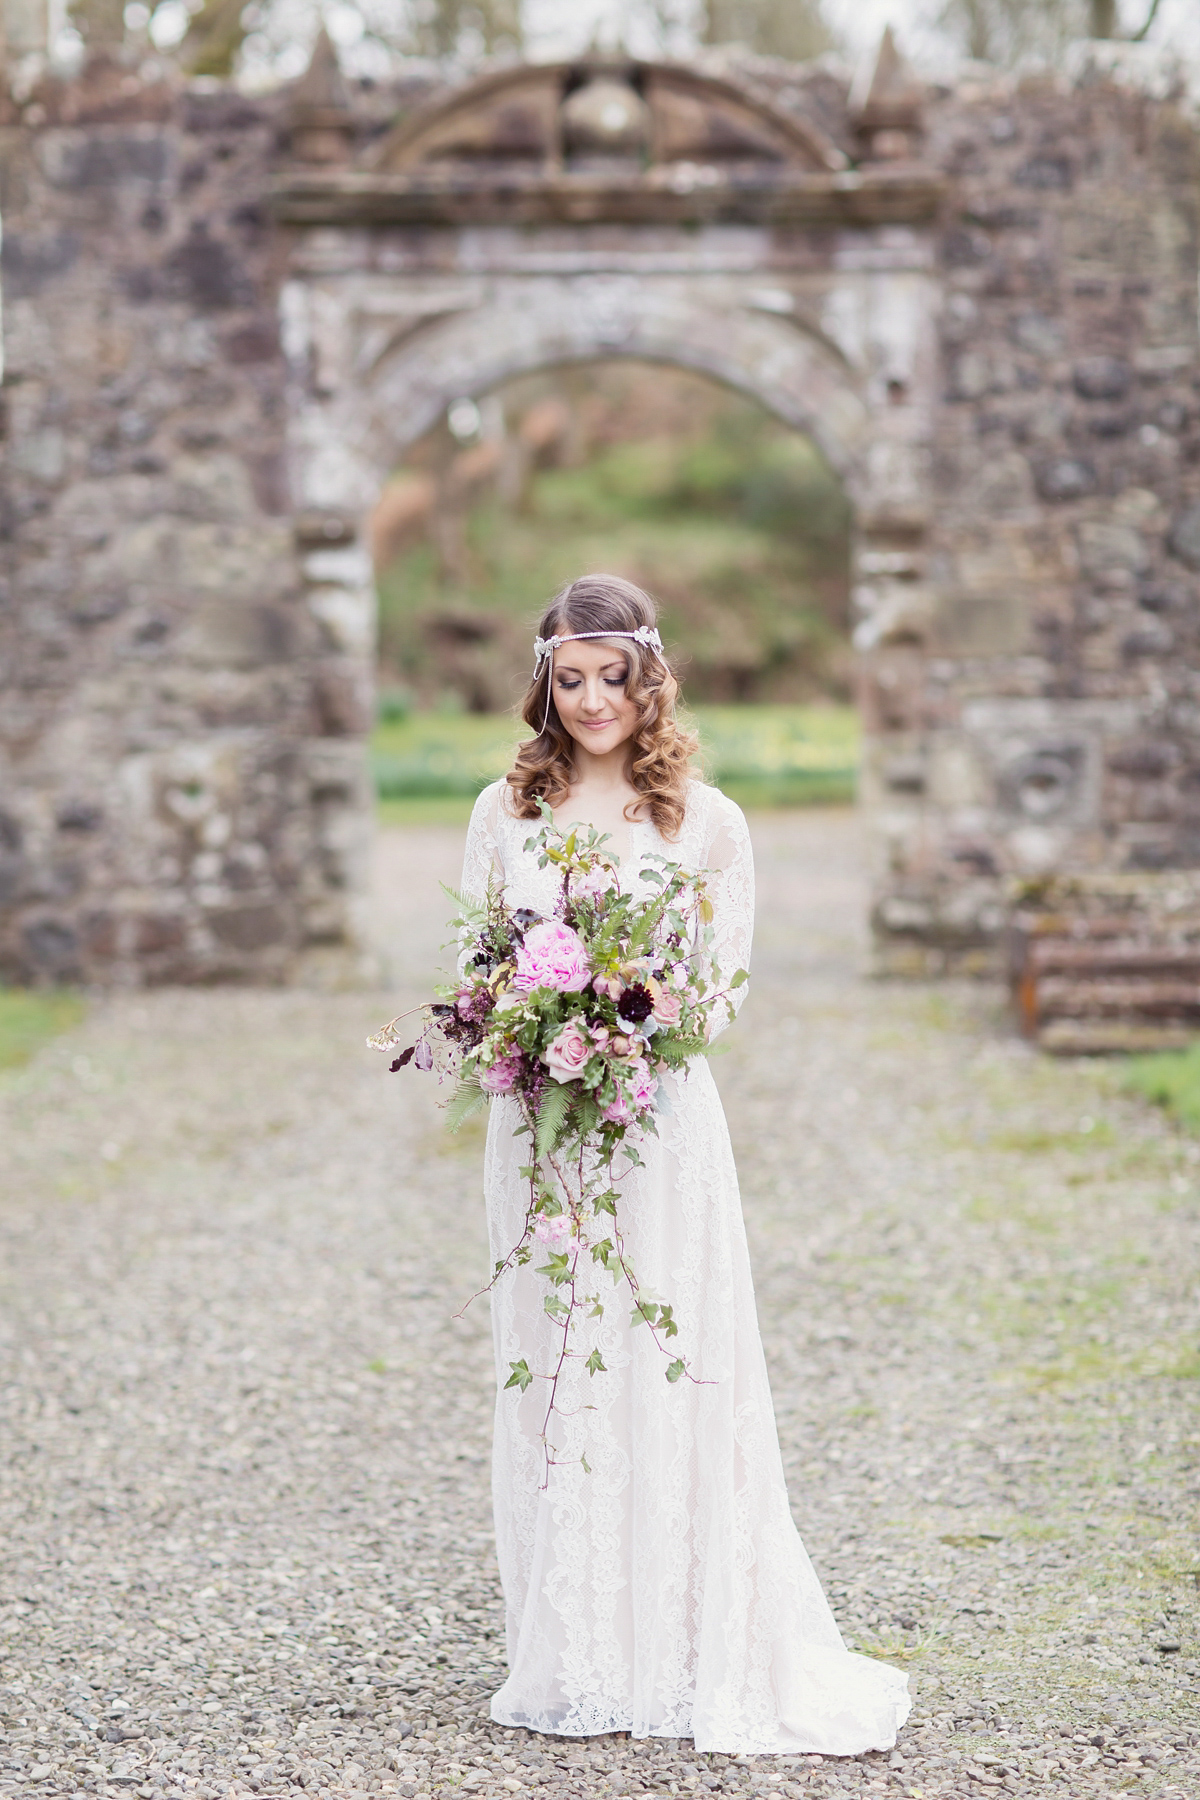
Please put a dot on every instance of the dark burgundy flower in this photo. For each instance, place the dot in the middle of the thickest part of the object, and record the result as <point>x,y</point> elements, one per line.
<point>635,1004</point>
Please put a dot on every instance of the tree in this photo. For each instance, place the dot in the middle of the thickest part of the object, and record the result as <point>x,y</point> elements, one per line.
<point>1003,31</point>
<point>456,25</point>
<point>793,29</point>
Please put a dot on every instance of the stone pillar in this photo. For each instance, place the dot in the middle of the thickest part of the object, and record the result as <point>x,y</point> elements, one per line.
<point>100,23</point>
<point>25,29</point>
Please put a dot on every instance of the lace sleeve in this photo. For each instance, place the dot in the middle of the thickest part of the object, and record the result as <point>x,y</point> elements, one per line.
<point>482,859</point>
<point>731,889</point>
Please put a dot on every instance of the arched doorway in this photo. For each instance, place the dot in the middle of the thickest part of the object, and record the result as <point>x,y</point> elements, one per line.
<point>494,235</point>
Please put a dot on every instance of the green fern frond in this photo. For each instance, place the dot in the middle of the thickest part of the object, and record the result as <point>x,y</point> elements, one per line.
<point>473,911</point>
<point>552,1115</point>
<point>467,1099</point>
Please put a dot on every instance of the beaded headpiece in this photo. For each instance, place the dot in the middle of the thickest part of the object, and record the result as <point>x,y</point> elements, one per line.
<point>544,648</point>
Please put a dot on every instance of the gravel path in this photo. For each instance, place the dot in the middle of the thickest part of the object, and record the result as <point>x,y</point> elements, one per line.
<point>244,1490</point>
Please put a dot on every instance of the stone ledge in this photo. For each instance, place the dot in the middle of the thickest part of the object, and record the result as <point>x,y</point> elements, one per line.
<point>898,193</point>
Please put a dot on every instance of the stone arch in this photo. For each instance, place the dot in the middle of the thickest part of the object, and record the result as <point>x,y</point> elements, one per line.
<point>515,115</point>
<point>401,374</point>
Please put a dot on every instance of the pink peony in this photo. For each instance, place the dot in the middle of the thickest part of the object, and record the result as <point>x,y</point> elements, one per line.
<point>566,1056</point>
<point>552,956</point>
<point>667,1009</point>
<point>501,1077</point>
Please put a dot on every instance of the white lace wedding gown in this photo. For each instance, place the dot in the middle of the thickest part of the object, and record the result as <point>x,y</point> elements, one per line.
<point>665,1593</point>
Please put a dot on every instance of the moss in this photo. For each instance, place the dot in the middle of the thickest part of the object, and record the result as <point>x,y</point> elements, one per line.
<point>29,1018</point>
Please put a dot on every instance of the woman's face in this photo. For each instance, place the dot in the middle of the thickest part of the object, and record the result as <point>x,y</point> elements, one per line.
<point>590,681</point>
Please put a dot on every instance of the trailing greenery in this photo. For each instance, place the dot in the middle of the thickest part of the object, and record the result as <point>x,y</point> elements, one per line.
<point>29,1018</point>
<point>1171,1078</point>
<point>429,766</point>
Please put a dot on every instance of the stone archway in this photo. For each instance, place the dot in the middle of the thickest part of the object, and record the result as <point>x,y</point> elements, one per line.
<point>401,372</point>
<point>498,232</point>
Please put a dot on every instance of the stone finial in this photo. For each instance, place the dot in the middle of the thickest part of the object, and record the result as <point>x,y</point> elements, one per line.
<point>603,119</point>
<point>885,102</point>
<point>320,121</point>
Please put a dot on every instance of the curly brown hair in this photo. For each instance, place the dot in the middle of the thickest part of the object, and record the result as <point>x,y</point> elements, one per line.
<point>660,769</point>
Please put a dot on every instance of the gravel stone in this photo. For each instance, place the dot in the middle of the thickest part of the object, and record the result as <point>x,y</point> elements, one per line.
<point>244,1514</point>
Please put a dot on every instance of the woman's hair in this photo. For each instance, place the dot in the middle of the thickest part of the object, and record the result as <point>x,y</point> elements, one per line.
<point>660,768</point>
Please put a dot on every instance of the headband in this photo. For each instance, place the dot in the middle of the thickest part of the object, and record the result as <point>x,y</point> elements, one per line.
<point>646,635</point>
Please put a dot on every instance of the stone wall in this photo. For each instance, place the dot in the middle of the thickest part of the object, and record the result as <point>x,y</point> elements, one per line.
<point>1035,689</point>
<point>201,401</point>
<point>183,792</point>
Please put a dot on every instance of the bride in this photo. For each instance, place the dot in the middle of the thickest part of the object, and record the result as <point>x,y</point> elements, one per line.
<point>653,1579</point>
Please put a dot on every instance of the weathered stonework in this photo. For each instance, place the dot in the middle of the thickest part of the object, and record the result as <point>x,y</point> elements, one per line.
<point>225,319</point>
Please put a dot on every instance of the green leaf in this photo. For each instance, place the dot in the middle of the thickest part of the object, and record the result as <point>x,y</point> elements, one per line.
<point>552,1115</point>
<point>554,1307</point>
<point>606,1203</point>
<point>521,1376</point>
<point>467,1098</point>
<point>595,1364</point>
<point>675,1369</point>
<point>741,976</point>
<point>587,1467</point>
<point>644,1312</point>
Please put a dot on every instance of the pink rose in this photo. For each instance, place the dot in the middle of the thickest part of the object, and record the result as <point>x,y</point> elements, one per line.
<point>645,1083</point>
<point>501,1076</point>
<point>596,883</point>
<point>556,1233</point>
<point>567,1055</point>
<point>667,1009</point>
<point>552,956</point>
<point>634,1099</point>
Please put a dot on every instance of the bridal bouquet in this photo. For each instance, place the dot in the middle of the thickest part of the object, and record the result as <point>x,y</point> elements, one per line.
<point>576,1017</point>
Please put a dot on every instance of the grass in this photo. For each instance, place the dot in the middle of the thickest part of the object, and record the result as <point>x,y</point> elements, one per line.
<point>429,766</point>
<point>30,1018</point>
<point>1172,1080</point>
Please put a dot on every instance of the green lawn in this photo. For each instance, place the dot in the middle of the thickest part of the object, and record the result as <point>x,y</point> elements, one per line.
<point>429,766</point>
<point>29,1018</point>
<point>1172,1080</point>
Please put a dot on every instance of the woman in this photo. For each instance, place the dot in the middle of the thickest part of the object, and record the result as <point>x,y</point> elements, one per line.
<point>653,1578</point>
